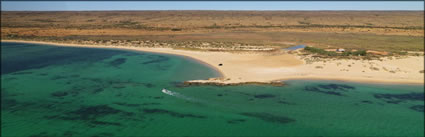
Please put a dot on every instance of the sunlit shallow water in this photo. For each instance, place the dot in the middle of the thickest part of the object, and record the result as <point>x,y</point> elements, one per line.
<point>64,91</point>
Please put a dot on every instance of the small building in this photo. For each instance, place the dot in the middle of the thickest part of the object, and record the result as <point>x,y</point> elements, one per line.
<point>340,50</point>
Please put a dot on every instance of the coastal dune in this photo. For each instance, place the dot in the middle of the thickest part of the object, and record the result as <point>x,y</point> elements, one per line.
<point>266,68</point>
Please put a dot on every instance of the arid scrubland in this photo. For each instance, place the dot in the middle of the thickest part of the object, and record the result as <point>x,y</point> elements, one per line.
<point>374,30</point>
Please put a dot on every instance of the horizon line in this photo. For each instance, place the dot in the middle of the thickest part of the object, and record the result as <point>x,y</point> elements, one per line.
<point>190,10</point>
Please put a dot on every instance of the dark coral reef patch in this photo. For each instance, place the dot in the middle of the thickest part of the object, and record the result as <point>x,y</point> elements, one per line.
<point>330,89</point>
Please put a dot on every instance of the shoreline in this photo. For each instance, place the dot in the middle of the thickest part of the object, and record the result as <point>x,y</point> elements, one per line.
<point>246,68</point>
<point>131,49</point>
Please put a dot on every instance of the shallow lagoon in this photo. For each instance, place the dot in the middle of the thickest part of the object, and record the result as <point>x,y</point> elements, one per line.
<point>65,91</point>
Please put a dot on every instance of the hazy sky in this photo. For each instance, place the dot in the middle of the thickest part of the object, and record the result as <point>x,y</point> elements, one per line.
<point>208,5</point>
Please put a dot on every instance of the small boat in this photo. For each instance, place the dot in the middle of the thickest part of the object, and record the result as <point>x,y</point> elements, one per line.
<point>167,92</point>
<point>176,94</point>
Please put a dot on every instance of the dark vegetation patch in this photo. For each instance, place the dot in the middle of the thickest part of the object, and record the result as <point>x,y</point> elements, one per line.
<point>336,87</point>
<point>159,97</point>
<point>330,89</point>
<point>119,95</point>
<point>316,89</point>
<point>153,103</point>
<point>162,67</point>
<point>119,83</point>
<point>101,84</point>
<point>235,121</point>
<point>156,59</point>
<point>59,94</point>
<point>74,91</point>
<point>21,73</point>
<point>127,105</point>
<point>44,20</point>
<point>69,133</point>
<point>243,93</point>
<point>117,62</point>
<point>118,86</point>
<point>90,114</point>
<point>58,77</point>
<point>10,78</point>
<point>285,102</point>
<point>41,134</point>
<point>97,90</point>
<point>104,135</point>
<point>398,98</point>
<point>149,85</point>
<point>219,95</point>
<point>419,108</point>
<point>6,94</point>
<point>394,101</point>
<point>176,29</point>
<point>13,105</point>
<point>171,113</point>
<point>263,96</point>
<point>269,117</point>
<point>64,77</point>
<point>8,103</point>
<point>367,102</point>
<point>105,123</point>
<point>74,76</point>
<point>43,74</point>
<point>332,53</point>
<point>49,106</point>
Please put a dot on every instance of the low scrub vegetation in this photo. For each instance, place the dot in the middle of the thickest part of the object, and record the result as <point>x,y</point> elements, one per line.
<point>390,31</point>
<point>332,53</point>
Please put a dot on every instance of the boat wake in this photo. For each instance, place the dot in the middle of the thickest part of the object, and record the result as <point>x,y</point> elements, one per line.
<point>175,94</point>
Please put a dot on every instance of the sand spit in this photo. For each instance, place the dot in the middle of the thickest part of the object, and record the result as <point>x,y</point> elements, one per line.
<point>263,68</point>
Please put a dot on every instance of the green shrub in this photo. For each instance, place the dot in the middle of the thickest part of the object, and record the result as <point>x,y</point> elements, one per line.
<point>176,29</point>
<point>360,52</point>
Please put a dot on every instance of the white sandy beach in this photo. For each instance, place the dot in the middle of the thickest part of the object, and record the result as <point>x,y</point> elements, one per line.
<point>249,67</point>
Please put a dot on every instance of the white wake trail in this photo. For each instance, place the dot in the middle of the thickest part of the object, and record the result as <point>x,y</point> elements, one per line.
<point>175,94</point>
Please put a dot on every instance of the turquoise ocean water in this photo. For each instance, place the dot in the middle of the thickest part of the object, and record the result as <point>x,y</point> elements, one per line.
<point>65,91</point>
